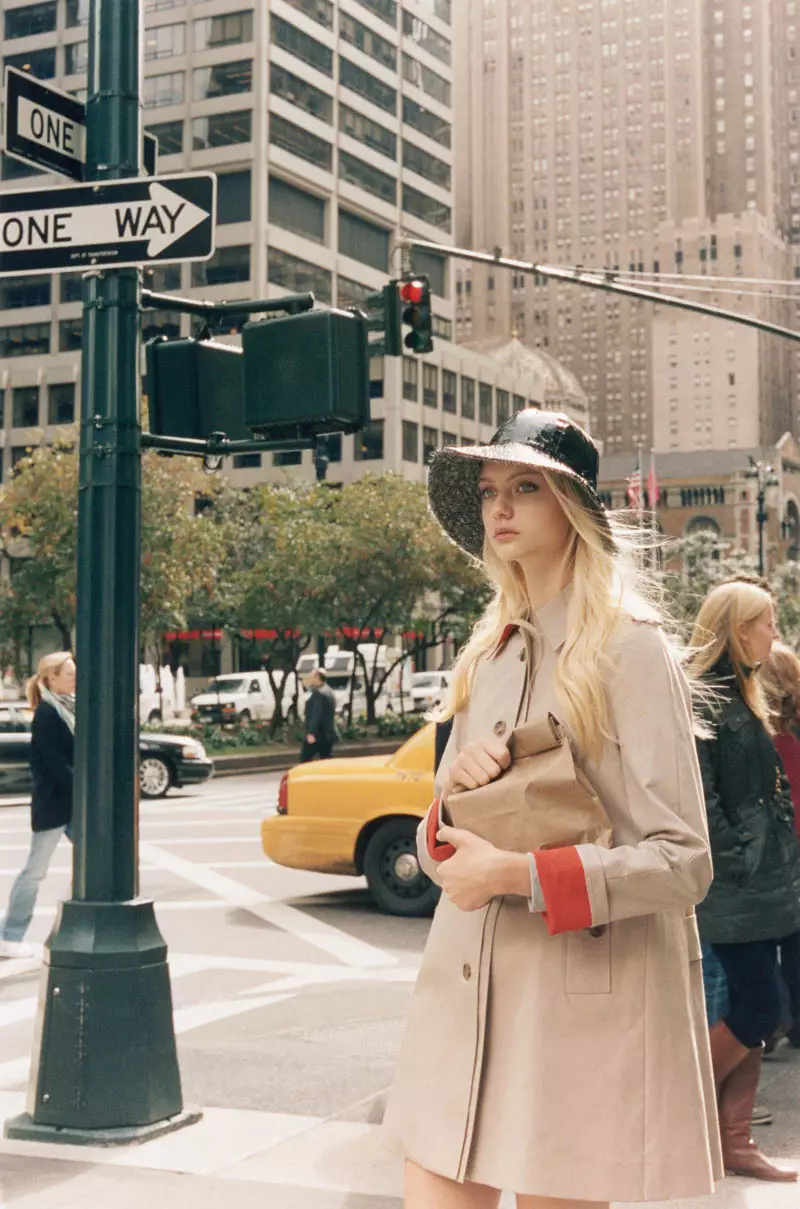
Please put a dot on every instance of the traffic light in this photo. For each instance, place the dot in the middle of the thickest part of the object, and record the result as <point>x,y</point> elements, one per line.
<point>382,312</point>
<point>415,294</point>
<point>299,376</point>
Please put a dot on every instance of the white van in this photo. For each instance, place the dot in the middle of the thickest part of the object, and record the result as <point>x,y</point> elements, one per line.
<point>244,697</point>
<point>428,689</point>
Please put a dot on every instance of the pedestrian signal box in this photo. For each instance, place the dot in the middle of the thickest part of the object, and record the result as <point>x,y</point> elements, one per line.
<point>310,369</point>
<point>298,376</point>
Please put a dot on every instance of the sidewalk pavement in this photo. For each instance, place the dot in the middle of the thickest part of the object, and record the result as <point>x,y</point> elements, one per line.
<point>299,1162</point>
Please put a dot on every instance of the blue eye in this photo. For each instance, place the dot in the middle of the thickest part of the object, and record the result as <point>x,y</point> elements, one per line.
<point>529,485</point>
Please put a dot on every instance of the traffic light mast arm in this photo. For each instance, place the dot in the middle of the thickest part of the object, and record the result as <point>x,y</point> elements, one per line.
<point>218,445</point>
<point>289,304</point>
<point>600,279</point>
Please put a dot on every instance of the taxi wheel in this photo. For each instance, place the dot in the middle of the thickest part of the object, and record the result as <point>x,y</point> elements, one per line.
<point>395,879</point>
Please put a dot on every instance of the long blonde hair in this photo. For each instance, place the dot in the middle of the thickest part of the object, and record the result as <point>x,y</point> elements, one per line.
<point>606,585</point>
<point>49,666</point>
<point>780,676</point>
<point>717,633</point>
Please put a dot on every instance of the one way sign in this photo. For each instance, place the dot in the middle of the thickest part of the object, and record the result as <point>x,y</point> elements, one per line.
<point>128,222</point>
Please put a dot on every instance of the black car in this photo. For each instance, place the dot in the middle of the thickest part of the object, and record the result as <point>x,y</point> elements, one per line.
<point>164,760</point>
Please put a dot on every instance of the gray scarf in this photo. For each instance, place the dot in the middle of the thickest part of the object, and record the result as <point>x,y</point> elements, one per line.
<point>63,704</point>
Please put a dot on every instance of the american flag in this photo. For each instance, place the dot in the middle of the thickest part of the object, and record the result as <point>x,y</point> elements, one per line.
<point>633,489</point>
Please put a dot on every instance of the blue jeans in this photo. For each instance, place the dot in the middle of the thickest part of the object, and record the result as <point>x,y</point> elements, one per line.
<point>22,899</point>
<point>715,985</point>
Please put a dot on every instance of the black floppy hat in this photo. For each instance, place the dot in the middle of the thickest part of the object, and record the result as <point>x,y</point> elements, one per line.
<point>545,440</point>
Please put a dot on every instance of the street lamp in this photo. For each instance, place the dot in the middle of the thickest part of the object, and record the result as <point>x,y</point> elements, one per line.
<point>765,476</point>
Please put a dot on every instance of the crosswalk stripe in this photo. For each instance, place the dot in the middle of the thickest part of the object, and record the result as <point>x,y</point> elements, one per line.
<point>324,936</point>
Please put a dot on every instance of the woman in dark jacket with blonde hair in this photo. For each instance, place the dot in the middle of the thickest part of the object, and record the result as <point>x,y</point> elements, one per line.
<point>51,692</point>
<point>754,900</point>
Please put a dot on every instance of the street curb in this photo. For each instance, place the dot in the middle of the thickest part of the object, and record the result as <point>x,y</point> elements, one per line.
<point>230,766</point>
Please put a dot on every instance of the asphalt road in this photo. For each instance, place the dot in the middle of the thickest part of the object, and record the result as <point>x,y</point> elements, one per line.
<point>291,992</point>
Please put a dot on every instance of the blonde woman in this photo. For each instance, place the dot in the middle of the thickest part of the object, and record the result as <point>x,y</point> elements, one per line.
<point>754,901</point>
<point>51,693</point>
<point>556,1045</point>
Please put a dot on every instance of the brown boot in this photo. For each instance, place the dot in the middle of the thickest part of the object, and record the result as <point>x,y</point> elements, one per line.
<point>726,1052</point>
<point>740,1153</point>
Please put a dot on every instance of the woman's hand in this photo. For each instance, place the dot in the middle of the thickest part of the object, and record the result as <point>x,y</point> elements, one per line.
<point>477,764</point>
<point>473,875</point>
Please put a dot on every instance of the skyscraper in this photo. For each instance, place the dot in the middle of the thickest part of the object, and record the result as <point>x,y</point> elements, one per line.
<point>631,136</point>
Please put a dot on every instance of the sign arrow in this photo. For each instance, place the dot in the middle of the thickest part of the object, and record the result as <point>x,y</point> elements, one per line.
<point>116,223</point>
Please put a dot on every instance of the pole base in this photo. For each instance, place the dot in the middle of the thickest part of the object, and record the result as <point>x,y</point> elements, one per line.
<point>23,1128</point>
<point>105,1060</point>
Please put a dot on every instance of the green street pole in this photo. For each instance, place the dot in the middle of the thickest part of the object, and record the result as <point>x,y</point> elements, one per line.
<point>105,1068</point>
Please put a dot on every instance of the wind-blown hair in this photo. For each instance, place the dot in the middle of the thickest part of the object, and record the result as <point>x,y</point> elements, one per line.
<point>780,675</point>
<point>606,585</point>
<point>716,634</point>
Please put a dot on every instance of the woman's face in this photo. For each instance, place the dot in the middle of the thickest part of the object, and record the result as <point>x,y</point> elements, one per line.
<point>64,680</point>
<point>758,635</point>
<point>522,517</point>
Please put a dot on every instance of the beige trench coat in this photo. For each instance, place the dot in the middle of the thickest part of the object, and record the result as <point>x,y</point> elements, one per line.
<point>576,1065</point>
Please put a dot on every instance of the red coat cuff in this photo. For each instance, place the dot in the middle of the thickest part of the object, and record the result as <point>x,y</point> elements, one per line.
<point>563,882</point>
<point>436,851</point>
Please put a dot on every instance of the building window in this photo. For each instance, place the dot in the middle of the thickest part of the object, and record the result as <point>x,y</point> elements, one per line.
<point>164,41</point>
<point>449,390</point>
<point>159,91</point>
<point>70,287</point>
<point>368,444</point>
<point>503,410</point>
<point>17,292</point>
<point>300,93</point>
<point>429,166</point>
<point>289,457</point>
<point>468,398</point>
<point>434,267</point>
<point>160,278</point>
<point>372,134</point>
<point>367,86</point>
<point>356,172</point>
<point>25,340</point>
<point>352,293</point>
<point>18,452</point>
<point>2,421</point>
<point>226,266</point>
<point>333,446</point>
<point>363,241</point>
<point>430,385</point>
<point>427,81</point>
<point>430,443</point>
<point>427,208</point>
<point>229,29</point>
<point>385,9</point>
<point>427,38</point>
<point>485,403</point>
<point>223,79</point>
<point>317,10</point>
<point>427,122</point>
<point>295,210</point>
<point>160,323</point>
<point>519,403</point>
<point>40,63</point>
<point>76,58</point>
<point>293,40</point>
<point>25,406</point>
<point>246,461</point>
<point>410,441</point>
<point>410,379</point>
<point>77,13</point>
<point>33,19</point>
<point>69,335</point>
<point>298,276</point>
<point>233,197</point>
<point>170,137</point>
<point>300,142</point>
<point>61,403</point>
<point>222,129</point>
<point>367,41</point>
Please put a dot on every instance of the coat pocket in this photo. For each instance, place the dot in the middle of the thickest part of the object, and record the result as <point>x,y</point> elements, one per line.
<point>588,962</point>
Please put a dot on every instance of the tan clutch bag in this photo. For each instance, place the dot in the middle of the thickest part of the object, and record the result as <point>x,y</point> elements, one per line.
<point>541,801</point>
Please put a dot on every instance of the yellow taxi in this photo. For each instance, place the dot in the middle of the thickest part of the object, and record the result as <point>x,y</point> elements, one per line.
<point>359,815</point>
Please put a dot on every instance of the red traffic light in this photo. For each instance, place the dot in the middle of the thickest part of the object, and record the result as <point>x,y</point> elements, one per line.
<point>412,291</point>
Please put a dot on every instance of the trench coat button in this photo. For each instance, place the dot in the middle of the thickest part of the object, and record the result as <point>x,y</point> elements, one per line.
<point>466,971</point>
<point>499,728</point>
<point>599,930</point>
